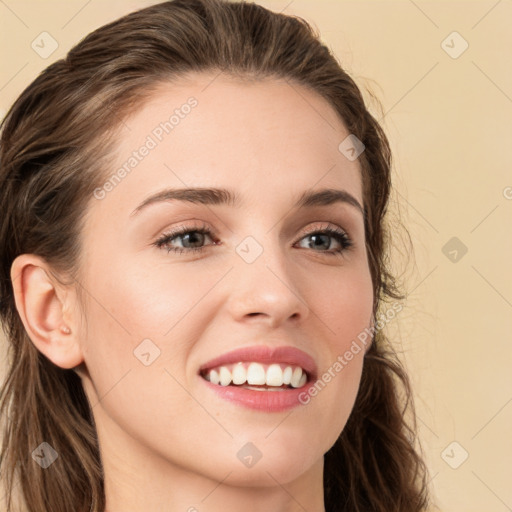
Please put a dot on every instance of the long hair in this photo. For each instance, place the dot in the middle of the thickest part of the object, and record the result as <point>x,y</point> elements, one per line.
<point>54,151</point>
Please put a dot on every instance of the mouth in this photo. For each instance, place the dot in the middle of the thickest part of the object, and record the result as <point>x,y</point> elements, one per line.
<point>257,376</point>
<point>268,379</point>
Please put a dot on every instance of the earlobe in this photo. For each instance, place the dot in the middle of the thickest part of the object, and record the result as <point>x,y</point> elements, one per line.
<point>40,303</point>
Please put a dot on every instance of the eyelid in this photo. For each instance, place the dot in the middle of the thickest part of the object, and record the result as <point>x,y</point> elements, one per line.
<point>203,226</point>
<point>321,225</point>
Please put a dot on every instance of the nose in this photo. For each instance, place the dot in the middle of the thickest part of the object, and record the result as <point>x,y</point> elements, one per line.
<point>267,290</point>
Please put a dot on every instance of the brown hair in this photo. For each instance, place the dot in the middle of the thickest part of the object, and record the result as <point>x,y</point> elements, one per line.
<point>54,151</point>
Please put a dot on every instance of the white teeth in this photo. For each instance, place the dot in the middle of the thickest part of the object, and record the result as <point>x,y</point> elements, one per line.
<point>287,375</point>
<point>274,375</point>
<point>214,377</point>
<point>256,374</point>
<point>239,374</point>
<point>225,376</point>
<point>297,374</point>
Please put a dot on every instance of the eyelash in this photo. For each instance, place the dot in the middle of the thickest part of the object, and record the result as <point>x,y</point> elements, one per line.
<point>339,235</point>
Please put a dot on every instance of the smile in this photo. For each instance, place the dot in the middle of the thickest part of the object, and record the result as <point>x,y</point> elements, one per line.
<point>257,376</point>
<point>267,379</point>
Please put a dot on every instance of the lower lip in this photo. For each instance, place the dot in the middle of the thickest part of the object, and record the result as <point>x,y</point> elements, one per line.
<point>266,401</point>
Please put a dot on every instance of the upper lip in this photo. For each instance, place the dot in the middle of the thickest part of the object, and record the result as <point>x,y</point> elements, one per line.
<point>264,354</point>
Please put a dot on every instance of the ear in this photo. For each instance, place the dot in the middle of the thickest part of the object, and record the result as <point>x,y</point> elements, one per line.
<point>43,305</point>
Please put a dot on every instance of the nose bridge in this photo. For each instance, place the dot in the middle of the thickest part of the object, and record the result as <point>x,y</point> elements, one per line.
<point>264,281</point>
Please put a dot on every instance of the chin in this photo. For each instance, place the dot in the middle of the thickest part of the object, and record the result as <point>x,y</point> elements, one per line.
<point>264,474</point>
<point>261,463</point>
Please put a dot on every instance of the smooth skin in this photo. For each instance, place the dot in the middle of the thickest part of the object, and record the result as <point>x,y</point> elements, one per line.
<point>168,443</point>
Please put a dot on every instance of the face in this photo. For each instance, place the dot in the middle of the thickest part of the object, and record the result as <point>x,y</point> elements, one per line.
<point>260,271</point>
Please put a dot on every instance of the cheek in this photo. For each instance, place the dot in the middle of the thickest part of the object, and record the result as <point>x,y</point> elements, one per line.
<point>141,326</point>
<point>345,311</point>
<point>132,302</point>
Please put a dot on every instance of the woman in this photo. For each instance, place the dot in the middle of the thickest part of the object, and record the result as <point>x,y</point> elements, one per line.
<point>180,337</point>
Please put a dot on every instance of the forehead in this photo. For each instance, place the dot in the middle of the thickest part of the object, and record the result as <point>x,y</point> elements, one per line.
<point>213,130</point>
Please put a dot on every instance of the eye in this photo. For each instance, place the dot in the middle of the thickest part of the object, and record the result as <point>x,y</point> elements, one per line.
<point>321,239</point>
<point>193,238</point>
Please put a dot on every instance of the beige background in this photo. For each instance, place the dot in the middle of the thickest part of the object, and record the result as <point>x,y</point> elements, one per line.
<point>449,121</point>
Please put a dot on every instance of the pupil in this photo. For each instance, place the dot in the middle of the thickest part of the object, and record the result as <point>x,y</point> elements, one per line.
<point>192,235</point>
<point>318,236</point>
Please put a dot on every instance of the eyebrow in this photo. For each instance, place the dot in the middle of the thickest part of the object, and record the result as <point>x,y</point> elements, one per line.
<point>222,196</point>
